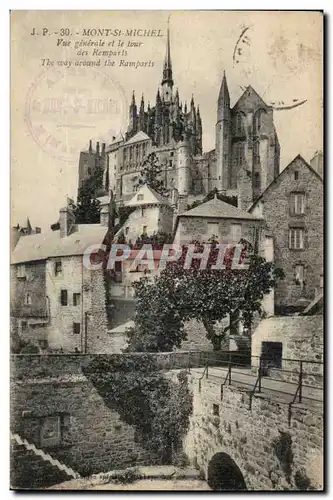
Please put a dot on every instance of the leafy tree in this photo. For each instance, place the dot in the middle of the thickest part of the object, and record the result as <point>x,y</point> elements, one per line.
<point>150,174</point>
<point>87,209</point>
<point>167,301</point>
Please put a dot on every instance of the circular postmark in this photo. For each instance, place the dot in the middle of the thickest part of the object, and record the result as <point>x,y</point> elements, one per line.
<point>66,107</point>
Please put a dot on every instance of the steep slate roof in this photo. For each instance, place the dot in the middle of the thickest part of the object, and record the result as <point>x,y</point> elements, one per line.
<point>248,92</point>
<point>140,136</point>
<point>49,244</point>
<point>150,197</point>
<point>217,209</point>
<point>270,186</point>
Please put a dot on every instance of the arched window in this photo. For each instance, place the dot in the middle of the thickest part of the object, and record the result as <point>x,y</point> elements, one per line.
<point>239,153</point>
<point>257,180</point>
<point>257,121</point>
<point>256,152</point>
<point>239,126</point>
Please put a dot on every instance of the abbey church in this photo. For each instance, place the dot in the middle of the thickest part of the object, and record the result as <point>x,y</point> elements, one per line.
<point>245,160</point>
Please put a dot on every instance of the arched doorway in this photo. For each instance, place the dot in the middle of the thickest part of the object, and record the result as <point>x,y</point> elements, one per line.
<point>224,474</point>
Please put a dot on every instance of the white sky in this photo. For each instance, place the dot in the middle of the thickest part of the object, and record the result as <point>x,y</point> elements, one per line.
<point>283,62</point>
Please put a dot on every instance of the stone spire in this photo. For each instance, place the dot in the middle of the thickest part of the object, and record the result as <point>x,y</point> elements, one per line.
<point>167,68</point>
<point>224,98</point>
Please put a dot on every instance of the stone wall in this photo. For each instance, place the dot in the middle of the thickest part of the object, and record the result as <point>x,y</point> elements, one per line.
<point>302,337</point>
<point>93,437</point>
<point>274,449</point>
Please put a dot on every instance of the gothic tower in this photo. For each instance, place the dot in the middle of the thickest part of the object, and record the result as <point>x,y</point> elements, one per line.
<point>223,136</point>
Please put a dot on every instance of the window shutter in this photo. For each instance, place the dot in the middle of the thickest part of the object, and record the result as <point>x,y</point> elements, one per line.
<point>291,204</point>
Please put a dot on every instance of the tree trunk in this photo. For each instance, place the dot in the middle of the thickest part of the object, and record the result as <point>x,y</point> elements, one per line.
<point>216,340</point>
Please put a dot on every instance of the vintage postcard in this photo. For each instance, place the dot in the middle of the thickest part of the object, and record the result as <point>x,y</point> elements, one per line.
<point>167,241</point>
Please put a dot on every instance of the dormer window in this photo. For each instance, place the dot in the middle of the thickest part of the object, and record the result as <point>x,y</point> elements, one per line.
<point>139,197</point>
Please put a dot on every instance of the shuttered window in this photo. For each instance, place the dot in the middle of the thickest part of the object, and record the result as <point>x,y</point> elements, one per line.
<point>64,297</point>
<point>296,238</point>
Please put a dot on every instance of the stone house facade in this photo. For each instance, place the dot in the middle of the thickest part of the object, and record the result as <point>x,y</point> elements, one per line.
<point>216,218</point>
<point>292,210</point>
<point>57,303</point>
<point>152,214</point>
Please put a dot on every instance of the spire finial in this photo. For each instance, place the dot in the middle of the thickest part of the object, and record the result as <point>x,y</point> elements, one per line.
<point>167,69</point>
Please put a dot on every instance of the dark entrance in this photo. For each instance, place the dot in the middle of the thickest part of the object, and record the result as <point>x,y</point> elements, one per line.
<point>224,474</point>
<point>271,354</point>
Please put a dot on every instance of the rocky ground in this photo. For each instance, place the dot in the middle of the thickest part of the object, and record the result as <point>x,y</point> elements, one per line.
<point>163,478</point>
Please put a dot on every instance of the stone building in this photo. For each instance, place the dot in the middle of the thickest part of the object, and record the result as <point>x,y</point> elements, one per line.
<point>292,209</point>
<point>244,162</point>
<point>227,223</point>
<point>246,144</point>
<point>152,213</point>
<point>57,303</point>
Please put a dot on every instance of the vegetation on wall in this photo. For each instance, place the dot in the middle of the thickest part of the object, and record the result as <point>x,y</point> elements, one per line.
<point>154,405</point>
<point>150,174</point>
<point>282,447</point>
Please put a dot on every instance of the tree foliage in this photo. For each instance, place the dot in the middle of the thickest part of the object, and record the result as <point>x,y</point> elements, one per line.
<point>150,174</point>
<point>87,209</point>
<point>167,301</point>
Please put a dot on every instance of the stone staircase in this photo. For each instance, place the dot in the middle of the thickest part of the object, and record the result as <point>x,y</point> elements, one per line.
<point>32,467</point>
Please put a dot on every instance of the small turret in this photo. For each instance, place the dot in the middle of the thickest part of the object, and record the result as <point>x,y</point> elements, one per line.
<point>183,167</point>
<point>142,115</point>
<point>133,117</point>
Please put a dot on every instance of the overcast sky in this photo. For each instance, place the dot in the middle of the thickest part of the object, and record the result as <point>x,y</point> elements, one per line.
<point>54,113</point>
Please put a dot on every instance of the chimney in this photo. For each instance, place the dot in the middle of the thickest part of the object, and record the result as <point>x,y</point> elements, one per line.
<point>103,148</point>
<point>317,163</point>
<point>174,197</point>
<point>38,230</point>
<point>97,148</point>
<point>108,213</point>
<point>90,147</point>
<point>182,204</point>
<point>66,221</point>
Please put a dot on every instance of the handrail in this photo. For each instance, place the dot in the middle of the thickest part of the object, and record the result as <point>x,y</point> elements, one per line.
<point>231,366</point>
